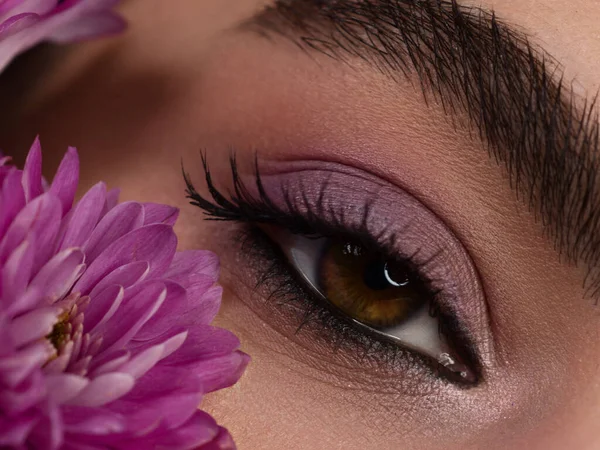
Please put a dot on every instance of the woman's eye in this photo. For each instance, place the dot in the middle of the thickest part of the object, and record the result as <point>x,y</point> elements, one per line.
<point>382,295</point>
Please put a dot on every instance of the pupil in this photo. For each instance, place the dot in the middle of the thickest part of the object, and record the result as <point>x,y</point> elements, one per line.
<point>380,275</point>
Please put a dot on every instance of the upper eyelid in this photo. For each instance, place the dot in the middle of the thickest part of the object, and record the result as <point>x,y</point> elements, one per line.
<point>512,90</point>
<point>466,285</point>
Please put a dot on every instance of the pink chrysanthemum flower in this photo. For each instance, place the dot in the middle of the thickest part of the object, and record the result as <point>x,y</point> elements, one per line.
<point>25,23</point>
<point>105,339</point>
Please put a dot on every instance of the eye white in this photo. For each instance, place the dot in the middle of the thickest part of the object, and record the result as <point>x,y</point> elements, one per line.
<point>419,333</point>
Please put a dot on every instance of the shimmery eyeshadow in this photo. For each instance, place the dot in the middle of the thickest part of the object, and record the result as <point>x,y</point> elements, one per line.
<point>357,200</point>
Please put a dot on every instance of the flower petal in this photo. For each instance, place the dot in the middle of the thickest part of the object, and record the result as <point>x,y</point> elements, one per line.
<point>14,431</point>
<point>140,304</point>
<point>32,172</point>
<point>66,179</point>
<point>203,343</point>
<point>14,369</point>
<point>30,392</point>
<point>103,306</point>
<point>221,372</point>
<point>48,432</point>
<point>156,213</point>
<point>103,389</point>
<point>166,318</point>
<point>112,198</point>
<point>84,217</point>
<point>153,243</point>
<point>41,218</point>
<point>16,273</point>
<point>143,362</point>
<point>92,421</point>
<point>190,263</point>
<point>223,441</point>
<point>109,362</point>
<point>168,411</point>
<point>33,325</point>
<point>12,199</point>
<point>198,432</point>
<point>100,24</point>
<point>14,7</point>
<point>59,274</point>
<point>64,386</point>
<point>116,223</point>
<point>125,276</point>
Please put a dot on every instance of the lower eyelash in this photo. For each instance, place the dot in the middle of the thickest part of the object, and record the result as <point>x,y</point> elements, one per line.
<point>281,281</point>
<point>282,286</point>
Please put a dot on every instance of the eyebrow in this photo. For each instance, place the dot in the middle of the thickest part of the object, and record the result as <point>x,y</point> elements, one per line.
<point>512,92</point>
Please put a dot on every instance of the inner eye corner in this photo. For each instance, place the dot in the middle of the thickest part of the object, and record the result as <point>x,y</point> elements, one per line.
<point>302,261</point>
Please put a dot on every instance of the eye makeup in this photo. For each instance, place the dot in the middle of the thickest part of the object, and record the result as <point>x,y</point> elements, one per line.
<point>321,200</point>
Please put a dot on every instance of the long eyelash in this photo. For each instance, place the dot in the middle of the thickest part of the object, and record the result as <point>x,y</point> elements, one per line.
<point>310,219</point>
<point>300,216</point>
<point>286,290</point>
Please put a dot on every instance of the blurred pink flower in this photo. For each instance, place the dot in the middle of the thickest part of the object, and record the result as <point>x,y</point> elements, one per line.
<point>25,23</point>
<point>105,335</point>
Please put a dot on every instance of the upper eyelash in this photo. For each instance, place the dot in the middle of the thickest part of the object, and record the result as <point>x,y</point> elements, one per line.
<point>243,207</point>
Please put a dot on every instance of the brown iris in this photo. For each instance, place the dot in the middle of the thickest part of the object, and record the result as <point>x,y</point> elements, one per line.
<point>371,289</point>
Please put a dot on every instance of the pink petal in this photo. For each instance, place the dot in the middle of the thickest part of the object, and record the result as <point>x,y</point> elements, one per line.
<point>41,217</point>
<point>187,264</point>
<point>31,298</point>
<point>170,411</point>
<point>14,7</point>
<point>104,389</point>
<point>99,24</point>
<point>14,369</point>
<point>163,381</point>
<point>200,430</point>
<point>84,217</point>
<point>28,393</point>
<point>125,276</point>
<point>223,441</point>
<point>102,307</point>
<point>143,362</point>
<point>59,274</point>
<point>66,179</point>
<point>92,421</point>
<point>109,362</point>
<point>13,199</point>
<point>168,315</point>
<point>153,243</point>
<point>16,273</point>
<point>157,213</point>
<point>221,372</point>
<point>12,33</point>
<point>32,172</point>
<point>48,433</point>
<point>118,222</point>
<point>60,363</point>
<point>33,325</point>
<point>112,198</point>
<point>172,341</point>
<point>140,303</point>
<point>204,343</point>
<point>14,431</point>
<point>207,304</point>
<point>64,386</point>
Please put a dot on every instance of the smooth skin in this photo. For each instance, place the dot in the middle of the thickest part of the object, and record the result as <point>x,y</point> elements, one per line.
<point>184,78</point>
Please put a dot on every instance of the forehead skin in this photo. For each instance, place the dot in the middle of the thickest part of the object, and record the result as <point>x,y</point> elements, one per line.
<point>169,50</point>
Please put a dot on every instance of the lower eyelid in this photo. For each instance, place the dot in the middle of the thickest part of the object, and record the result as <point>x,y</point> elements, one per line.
<point>328,342</point>
<point>346,198</point>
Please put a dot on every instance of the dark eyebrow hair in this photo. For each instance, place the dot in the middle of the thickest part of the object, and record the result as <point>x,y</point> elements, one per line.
<point>511,91</point>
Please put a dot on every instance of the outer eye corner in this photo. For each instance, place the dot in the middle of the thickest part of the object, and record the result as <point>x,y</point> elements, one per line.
<point>379,294</point>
